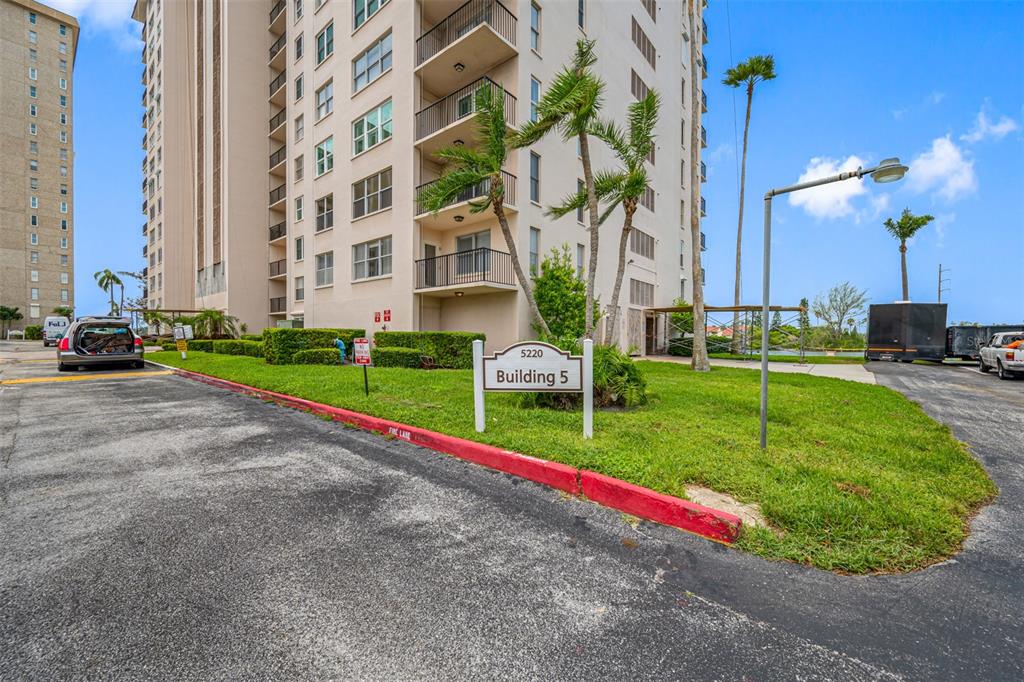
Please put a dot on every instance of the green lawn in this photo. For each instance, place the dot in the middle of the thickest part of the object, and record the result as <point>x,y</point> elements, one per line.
<point>808,359</point>
<point>856,478</point>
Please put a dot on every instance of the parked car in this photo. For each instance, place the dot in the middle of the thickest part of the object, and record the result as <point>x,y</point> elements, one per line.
<point>53,329</point>
<point>99,341</point>
<point>996,354</point>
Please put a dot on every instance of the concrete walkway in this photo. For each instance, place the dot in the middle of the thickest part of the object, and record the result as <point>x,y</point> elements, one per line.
<point>856,373</point>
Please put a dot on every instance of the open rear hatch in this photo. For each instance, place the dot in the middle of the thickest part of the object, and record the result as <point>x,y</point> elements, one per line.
<point>104,338</point>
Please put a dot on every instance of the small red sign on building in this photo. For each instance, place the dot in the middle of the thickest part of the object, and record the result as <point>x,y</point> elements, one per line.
<point>387,315</point>
<point>376,316</point>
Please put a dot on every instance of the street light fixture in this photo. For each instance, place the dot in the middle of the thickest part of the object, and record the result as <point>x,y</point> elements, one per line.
<point>888,170</point>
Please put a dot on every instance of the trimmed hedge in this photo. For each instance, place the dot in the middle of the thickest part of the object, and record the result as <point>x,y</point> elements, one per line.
<point>251,337</point>
<point>280,344</point>
<point>253,349</point>
<point>34,332</point>
<point>317,356</point>
<point>203,345</point>
<point>168,346</point>
<point>451,350</point>
<point>383,356</point>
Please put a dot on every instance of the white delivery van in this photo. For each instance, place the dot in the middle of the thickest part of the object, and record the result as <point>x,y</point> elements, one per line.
<point>53,329</point>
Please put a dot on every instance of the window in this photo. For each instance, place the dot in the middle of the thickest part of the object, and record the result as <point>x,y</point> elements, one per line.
<point>534,97</point>
<point>33,37</point>
<point>325,100</point>
<point>298,48</point>
<point>33,54</point>
<point>325,213</point>
<point>63,278</point>
<point>298,9</point>
<point>62,48</point>
<point>364,9</point>
<point>63,207</point>
<point>32,17</point>
<point>33,73</point>
<point>298,209</point>
<point>298,87</point>
<point>63,190</point>
<point>300,288</point>
<point>33,220</point>
<point>33,257</point>
<point>325,43</point>
<point>372,128</point>
<point>647,199</point>
<point>372,259</point>
<point>64,224</point>
<point>63,136</point>
<point>637,86</point>
<point>641,293</point>
<point>641,243</point>
<point>373,62</point>
<point>64,119</point>
<point>33,165</point>
<point>644,44</point>
<point>652,8</point>
<point>580,186</point>
<point>63,65</point>
<point>33,183</point>
<point>33,110</point>
<point>33,239</point>
<point>63,258</point>
<point>325,268</point>
<point>325,156</point>
<point>33,311</point>
<point>63,295</point>
<point>34,276</point>
<point>32,91</point>
<point>63,83</point>
<point>35,293</point>
<point>534,251</point>
<point>64,101</point>
<point>63,30</point>
<point>33,147</point>
<point>534,27</point>
<point>300,128</point>
<point>580,251</point>
<point>299,249</point>
<point>33,202</point>
<point>64,156</point>
<point>581,13</point>
<point>534,177</point>
<point>299,167</point>
<point>371,194</point>
<point>33,129</point>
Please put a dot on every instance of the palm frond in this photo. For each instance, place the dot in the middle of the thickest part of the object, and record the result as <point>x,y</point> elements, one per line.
<point>610,133</point>
<point>446,189</point>
<point>464,157</point>
<point>642,117</point>
<point>490,117</point>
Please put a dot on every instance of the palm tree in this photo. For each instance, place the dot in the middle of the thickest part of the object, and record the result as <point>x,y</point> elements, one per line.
<point>107,280</point>
<point>699,360</point>
<point>624,187</point>
<point>749,73</point>
<point>469,168</point>
<point>8,315</point>
<point>64,311</point>
<point>571,105</point>
<point>211,323</point>
<point>903,229</point>
<point>157,319</point>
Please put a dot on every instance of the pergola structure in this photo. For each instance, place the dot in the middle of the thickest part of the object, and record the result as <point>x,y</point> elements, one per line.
<point>138,312</point>
<point>665,329</point>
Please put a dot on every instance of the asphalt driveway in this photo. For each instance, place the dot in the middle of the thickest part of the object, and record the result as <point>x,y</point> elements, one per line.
<point>155,527</point>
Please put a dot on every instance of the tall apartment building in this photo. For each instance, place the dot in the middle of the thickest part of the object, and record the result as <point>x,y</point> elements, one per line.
<point>37,59</point>
<point>309,149</point>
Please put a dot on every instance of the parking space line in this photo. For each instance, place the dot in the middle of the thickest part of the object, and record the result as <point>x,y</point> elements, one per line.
<point>88,377</point>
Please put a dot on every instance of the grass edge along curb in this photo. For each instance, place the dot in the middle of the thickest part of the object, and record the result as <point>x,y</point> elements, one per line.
<point>607,491</point>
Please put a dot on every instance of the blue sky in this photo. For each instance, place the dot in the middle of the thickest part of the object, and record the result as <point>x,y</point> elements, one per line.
<point>939,84</point>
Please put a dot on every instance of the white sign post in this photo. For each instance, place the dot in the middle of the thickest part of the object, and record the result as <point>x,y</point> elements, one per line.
<point>532,366</point>
<point>182,335</point>
<point>361,356</point>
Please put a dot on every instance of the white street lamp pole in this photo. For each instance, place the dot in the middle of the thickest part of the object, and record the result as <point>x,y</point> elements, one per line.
<point>889,170</point>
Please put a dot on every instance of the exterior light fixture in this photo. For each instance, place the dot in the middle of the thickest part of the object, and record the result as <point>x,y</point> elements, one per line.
<point>458,143</point>
<point>459,294</point>
<point>459,218</point>
<point>460,67</point>
<point>889,170</point>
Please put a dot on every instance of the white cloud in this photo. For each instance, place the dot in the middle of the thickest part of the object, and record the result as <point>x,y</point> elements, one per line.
<point>935,97</point>
<point>984,128</point>
<point>943,169</point>
<point>899,113</point>
<point>111,17</point>
<point>942,222</point>
<point>834,199</point>
<point>880,204</point>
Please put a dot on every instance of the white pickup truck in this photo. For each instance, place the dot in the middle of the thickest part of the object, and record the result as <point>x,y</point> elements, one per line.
<point>996,354</point>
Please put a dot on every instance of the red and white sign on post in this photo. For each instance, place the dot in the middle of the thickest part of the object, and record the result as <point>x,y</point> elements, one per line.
<point>361,351</point>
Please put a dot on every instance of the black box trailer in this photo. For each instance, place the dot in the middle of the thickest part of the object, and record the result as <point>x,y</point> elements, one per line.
<point>906,332</point>
<point>964,340</point>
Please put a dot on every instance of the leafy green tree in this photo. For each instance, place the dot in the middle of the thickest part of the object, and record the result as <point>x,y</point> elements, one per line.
<point>571,105</point>
<point>561,296</point>
<point>748,74</point>
<point>469,168</point>
<point>64,311</point>
<point>903,229</point>
<point>777,320</point>
<point>211,323</point>
<point>107,280</point>
<point>7,315</point>
<point>842,302</point>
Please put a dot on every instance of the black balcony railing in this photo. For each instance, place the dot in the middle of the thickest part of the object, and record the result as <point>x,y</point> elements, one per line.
<point>276,10</point>
<point>277,83</point>
<point>277,305</point>
<point>278,119</point>
<point>278,156</point>
<point>145,250</point>
<point>278,45</point>
<point>704,30</point>
<point>703,207</point>
<point>703,171</point>
<point>458,105</point>
<point>703,243</point>
<point>145,270</point>
<point>703,136</point>
<point>704,99</point>
<point>278,267</point>
<point>465,267</point>
<point>477,191</point>
<point>462,21</point>
<point>277,194</point>
<point>144,226</point>
<point>278,231</point>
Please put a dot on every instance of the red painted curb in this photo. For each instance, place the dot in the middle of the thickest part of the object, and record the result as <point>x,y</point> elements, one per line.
<point>672,511</point>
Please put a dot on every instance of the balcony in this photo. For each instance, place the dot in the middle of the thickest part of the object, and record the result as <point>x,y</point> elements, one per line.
<point>465,45</point>
<point>703,172</point>
<point>277,166</point>
<point>703,243</point>
<point>277,18</point>
<point>703,138</point>
<point>278,232</point>
<point>278,305</point>
<point>703,101</point>
<point>143,75</point>
<point>452,118</point>
<point>145,116</point>
<point>703,208</point>
<point>277,125</point>
<point>277,197</point>
<point>277,89</point>
<point>144,227</point>
<point>145,250</point>
<point>479,271</point>
<point>278,269</point>
<point>145,206</point>
<point>457,213</point>
<point>277,52</point>
<point>703,66</point>
<point>703,32</point>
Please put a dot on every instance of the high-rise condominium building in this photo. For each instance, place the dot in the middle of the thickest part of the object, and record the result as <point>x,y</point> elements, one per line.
<point>37,59</point>
<point>305,129</point>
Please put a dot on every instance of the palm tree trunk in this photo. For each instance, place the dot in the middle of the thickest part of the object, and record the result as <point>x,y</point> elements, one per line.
<point>903,268</point>
<point>588,181</point>
<point>613,313</point>
<point>739,226</point>
<point>699,361</point>
<point>513,252</point>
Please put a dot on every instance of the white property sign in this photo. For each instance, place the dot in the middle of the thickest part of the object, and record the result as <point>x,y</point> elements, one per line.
<point>532,366</point>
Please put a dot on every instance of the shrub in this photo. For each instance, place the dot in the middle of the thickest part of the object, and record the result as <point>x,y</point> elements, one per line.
<point>562,295</point>
<point>204,345</point>
<point>253,349</point>
<point>280,344</point>
<point>451,350</point>
<point>618,381</point>
<point>384,356</point>
<point>251,337</point>
<point>168,346</point>
<point>34,332</point>
<point>316,356</point>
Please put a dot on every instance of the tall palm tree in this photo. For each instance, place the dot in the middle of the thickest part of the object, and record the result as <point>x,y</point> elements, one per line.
<point>468,168</point>
<point>903,229</point>
<point>749,73</point>
<point>571,105</point>
<point>106,279</point>
<point>211,323</point>
<point>64,311</point>
<point>623,187</point>
<point>137,276</point>
<point>699,360</point>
